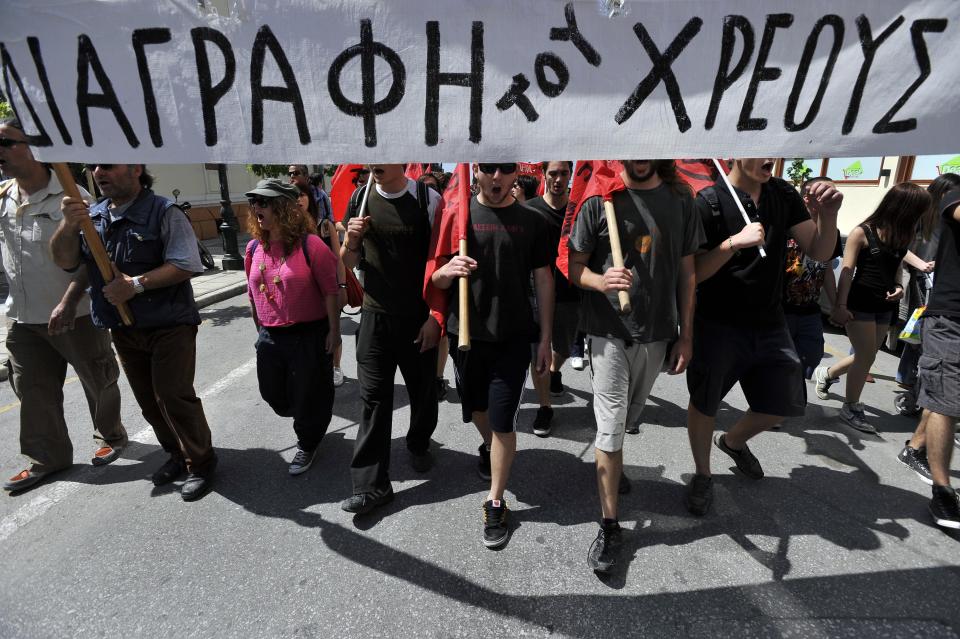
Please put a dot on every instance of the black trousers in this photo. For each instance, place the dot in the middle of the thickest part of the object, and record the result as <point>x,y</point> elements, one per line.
<point>295,374</point>
<point>384,343</point>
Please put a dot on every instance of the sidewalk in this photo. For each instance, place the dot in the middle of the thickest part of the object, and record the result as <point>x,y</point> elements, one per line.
<point>215,285</point>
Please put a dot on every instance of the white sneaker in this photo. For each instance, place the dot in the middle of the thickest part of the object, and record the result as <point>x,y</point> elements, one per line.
<point>821,376</point>
<point>576,363</point>
<point>337,376</point>
<point>853,415</point>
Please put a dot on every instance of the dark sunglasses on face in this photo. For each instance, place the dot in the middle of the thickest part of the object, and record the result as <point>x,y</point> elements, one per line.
<point>293,173</point>
<point>7,143</point>
<point>262,202</point>
<point>505,169</point>
<point>103,167</point>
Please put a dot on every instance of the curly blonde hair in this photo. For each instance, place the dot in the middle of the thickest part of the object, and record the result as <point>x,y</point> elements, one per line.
<point>292,224</point>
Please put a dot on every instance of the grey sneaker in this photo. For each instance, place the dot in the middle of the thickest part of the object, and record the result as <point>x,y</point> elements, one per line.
<point>854,416</point>
<point>605,550</point>
<point>302,461</point>
<point>822,378</point>
<point>699,495</point>
<point>916,460</point>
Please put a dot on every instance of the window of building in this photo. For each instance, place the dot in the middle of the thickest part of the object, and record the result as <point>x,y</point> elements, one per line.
<point>928,167</point>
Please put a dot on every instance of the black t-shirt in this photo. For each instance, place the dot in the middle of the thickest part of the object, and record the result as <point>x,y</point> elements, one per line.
<point>508,244</point>
<point>945,298</point>
<point>565,291</point>
<point>657,228</point>
<point>748,290</point>
<point>395,249</point>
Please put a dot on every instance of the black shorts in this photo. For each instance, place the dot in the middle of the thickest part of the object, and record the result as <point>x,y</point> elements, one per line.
<point>763,360</point>
<point>490,378</point>
<point>566,320</point>
<point>939,365</point>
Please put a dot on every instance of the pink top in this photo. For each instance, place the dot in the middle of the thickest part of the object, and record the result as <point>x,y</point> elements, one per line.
<point>286,291</point>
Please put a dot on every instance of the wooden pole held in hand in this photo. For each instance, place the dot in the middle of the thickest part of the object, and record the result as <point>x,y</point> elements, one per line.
<point>92,237</point>
<point>616,251</point>
<point>464,312</point>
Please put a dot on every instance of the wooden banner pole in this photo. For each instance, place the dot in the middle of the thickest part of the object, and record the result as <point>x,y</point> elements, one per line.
<point>92,237</point>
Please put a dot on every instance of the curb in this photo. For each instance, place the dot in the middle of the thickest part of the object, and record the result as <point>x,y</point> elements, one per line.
<point>202,301</point>
<point>221,294</point>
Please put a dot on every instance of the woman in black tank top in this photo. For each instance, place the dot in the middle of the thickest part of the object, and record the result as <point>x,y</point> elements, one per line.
<point>867,299</point>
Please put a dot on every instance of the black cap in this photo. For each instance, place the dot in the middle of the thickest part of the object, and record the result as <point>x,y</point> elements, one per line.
<point>275,188</point>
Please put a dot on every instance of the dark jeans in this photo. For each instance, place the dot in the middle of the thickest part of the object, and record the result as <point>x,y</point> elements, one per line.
<point>806,331</point>
<point>295,374</point>
<point>160,365</point>
<point>384,343</point>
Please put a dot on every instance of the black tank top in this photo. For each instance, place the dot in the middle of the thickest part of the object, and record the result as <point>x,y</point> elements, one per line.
<point>875,277</point>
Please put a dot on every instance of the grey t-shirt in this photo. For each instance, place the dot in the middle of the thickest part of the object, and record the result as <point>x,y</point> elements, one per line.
<point>657,227</point>
<point>176,233</point>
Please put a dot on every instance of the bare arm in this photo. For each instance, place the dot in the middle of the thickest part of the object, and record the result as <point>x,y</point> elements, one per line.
<point>686,302</point>
<point>613,279</point>
<point>65,243</point>
<point>65,313</point>
<point>543,283</point>
<point>707,264</point>
<point>819,239</point>
<point>353,240</point>
<point>855,242</point>
<point>121,288</point>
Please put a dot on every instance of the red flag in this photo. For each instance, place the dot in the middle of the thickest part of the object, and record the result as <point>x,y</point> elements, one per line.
<point>414,171</point>
<point>698,173</point>
<point>342,186</point>
<point>591,177</point>
<point>450,225</point>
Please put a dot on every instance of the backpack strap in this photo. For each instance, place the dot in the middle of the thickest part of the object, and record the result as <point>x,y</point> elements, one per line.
<point>423,199</point>
<point>252,247</point>
<point>872,242</point>
<point>716,220</point>
<point>303,245</point>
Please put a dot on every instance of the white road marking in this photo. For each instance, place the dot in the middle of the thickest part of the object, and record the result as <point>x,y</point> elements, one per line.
<point>60,490</point>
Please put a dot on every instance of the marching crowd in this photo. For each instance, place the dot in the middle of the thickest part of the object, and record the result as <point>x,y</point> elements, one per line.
<point>723,285</point>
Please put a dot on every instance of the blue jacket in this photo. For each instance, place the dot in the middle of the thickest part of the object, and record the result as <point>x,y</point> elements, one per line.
<point>134,244</point>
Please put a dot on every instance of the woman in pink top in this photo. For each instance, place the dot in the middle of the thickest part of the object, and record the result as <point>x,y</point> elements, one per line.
<point>293,288</point>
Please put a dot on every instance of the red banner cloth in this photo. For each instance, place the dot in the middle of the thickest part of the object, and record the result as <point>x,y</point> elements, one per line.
<point>342,186</point>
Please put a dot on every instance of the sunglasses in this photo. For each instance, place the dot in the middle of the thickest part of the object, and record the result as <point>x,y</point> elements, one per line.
<point>6,143</point>
<point>505,169</point>
<point>104,167</point>
<point>261,202</point>
<point>293,173</point>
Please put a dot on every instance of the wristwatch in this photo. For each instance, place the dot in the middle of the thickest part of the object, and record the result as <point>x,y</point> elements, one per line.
<point>137,285</point>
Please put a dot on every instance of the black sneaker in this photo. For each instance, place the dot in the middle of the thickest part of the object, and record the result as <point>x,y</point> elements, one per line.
<point>556,383</point>
<point>541,423</point>
<point>632,429</point>
<point>302,461</point>
<point>744,459</point>
<point>945,507</point>
<point>916,460</point>
<point>483,465</point>
<point>700,495</point>
<point>362,503</point>
<point>495,530</point>
<point>624,486</point>
<point>605,550</point>
<point>421,462</point>
<point>442,388</point>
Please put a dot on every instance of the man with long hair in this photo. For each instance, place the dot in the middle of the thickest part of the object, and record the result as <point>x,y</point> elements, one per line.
<point>154,248</point>
<point>660,232</point>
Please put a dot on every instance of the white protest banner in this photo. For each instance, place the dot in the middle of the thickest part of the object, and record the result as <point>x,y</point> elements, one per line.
<point>420,80</point>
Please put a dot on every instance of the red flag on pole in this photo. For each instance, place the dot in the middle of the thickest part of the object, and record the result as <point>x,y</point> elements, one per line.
<point>450,225</point>
<point>591,177</point>
<point>342,186</point>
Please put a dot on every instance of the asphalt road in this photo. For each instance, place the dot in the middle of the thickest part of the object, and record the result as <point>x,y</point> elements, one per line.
<point>835,541</point>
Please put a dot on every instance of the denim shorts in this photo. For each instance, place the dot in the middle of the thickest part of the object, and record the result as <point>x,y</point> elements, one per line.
<point>939,366</point>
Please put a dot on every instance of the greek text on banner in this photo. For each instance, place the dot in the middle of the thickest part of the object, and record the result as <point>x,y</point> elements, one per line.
<point>400,81</point>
